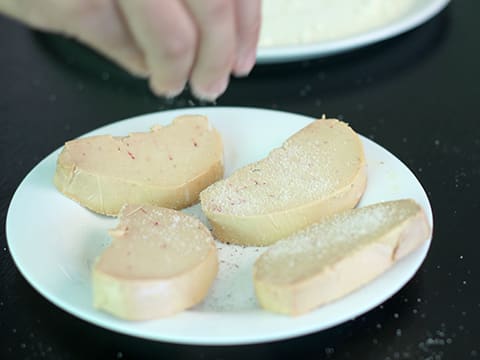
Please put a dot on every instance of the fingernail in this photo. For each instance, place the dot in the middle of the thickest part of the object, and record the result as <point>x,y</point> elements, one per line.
<point>164,91</point>
<point>140,70</point>
<point>135,68</point>
<point>213,91</point>
<point>245,64</point>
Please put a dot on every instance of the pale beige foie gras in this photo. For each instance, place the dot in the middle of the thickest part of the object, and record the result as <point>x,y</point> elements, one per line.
<point>346,250</point>
<point>160,262</point>
<point>318,171</point>
<point>167,166</point>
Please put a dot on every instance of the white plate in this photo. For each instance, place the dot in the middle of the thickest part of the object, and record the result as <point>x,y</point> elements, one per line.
<point>420,12</point>
<point>53,241</point>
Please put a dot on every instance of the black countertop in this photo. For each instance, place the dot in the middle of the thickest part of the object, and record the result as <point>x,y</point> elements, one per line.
<point>417,95</point>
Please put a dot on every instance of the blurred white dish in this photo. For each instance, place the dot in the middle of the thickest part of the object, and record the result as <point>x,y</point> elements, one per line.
<point>412,14</point>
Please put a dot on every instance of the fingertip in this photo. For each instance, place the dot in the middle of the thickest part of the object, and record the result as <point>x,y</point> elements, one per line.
<point>168,92</point>
<point>210,92</point>
<point>245,64</point>
<point>137,68</point>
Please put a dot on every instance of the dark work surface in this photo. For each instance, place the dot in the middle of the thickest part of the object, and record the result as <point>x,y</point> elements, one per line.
<point>417,95</point>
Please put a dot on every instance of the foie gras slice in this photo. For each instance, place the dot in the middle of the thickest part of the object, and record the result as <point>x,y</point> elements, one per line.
<point>167,166</point>
<point>161,261</point>
<point>344,251</point>
<point>318,171</point>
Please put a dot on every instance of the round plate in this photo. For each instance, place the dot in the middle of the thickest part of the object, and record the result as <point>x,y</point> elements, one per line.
<point>54,241</point>
<point>420,12</point>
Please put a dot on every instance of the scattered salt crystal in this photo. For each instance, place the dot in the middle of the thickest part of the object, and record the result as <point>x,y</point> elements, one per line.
<point>329,350</point>
<point>294,174</point>
<point>318,246</point>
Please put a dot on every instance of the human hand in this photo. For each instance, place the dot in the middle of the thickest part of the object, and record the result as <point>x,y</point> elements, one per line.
<point>171,41</point>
